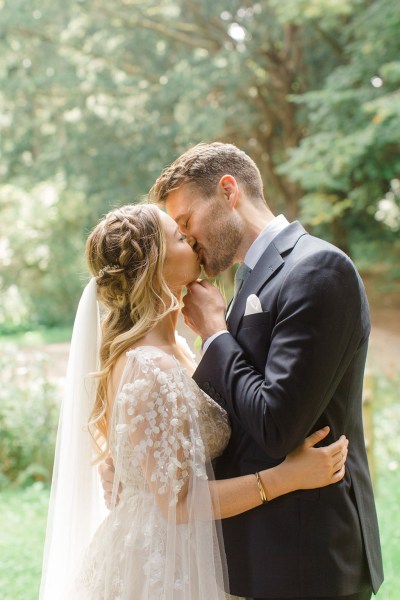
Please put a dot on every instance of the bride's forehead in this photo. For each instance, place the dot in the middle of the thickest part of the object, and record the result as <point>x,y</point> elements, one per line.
<point>167,222</point>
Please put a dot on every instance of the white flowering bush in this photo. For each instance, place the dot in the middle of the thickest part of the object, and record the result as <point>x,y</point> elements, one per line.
<point>388,210</point>
<point>29,407</point>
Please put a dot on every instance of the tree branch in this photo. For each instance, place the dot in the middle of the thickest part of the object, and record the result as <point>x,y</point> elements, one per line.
<point>165,29</point>
<point>327,37</point>
<point>127,67</point>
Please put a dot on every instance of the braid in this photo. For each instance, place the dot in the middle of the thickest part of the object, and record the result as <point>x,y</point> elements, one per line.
<point>131,253</point>
<point>126,253</point>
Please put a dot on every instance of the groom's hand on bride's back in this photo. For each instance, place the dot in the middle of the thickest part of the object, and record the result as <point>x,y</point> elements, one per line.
<point>204,309</point>
<point>107,473</point>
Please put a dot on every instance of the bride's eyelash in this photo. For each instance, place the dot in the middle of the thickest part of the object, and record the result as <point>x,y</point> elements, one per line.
<point>182,238</point>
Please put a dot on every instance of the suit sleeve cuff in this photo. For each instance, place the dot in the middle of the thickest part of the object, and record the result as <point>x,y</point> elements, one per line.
<point>209,340</point>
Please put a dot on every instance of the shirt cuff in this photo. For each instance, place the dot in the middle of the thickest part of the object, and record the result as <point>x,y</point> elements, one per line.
<point>211,339</point>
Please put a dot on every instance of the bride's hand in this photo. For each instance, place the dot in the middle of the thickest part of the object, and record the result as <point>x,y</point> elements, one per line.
<point>107,473</point>
<point>310,467</point>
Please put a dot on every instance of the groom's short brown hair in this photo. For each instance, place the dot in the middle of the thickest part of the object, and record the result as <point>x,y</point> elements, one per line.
<point>203,166</point>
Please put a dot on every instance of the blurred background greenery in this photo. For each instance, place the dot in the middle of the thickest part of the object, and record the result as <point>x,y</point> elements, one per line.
<point>97,97</point>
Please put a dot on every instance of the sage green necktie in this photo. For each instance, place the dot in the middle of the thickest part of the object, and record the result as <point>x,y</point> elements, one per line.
<point>240,277</point>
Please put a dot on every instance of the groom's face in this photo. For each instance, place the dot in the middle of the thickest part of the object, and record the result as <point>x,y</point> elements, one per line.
<point>211,227</point>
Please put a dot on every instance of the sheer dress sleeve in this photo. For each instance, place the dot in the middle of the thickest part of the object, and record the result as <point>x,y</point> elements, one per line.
<point>168,545</point>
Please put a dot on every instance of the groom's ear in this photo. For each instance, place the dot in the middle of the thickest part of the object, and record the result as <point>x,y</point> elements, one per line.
<point>229,188</point>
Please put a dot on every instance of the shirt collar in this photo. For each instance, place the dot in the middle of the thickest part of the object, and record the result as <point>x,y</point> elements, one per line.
<point>263,240</point>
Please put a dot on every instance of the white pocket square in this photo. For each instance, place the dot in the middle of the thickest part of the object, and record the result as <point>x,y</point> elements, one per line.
<point>253,305</point>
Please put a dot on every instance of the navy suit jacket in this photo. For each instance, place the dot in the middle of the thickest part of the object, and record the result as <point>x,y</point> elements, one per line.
<point>281,374</point>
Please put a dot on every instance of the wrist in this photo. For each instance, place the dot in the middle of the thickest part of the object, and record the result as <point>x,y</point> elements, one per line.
<point>277,481</point>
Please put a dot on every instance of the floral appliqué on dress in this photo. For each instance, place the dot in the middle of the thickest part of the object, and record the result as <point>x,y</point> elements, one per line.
<point>165,431</point>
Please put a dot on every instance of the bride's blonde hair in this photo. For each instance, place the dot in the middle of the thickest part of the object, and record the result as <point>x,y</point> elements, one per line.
<point>126,253</point>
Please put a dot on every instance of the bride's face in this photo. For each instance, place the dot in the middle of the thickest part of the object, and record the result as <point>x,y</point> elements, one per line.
<point>182,264</point>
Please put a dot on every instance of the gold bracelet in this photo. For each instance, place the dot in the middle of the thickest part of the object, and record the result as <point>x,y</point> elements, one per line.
<point>261,488</point>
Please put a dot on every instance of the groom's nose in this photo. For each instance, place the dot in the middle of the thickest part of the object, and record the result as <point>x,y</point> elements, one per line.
<point>192,241</point>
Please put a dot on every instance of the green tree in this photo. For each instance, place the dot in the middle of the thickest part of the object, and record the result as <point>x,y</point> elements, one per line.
<point>349,161</point>
<point>96,98</point>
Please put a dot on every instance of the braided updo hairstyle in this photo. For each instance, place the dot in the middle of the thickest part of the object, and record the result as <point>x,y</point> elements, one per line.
<point>126,254</point>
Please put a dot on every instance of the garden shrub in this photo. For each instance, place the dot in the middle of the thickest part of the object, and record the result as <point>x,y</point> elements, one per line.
<point>29,407</point>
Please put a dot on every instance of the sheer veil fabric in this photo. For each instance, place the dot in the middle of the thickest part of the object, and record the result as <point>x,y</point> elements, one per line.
<point>164,434</point>
<point>76,503</point>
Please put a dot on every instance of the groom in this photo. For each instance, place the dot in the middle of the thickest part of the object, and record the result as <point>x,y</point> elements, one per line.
<point>295,364</point>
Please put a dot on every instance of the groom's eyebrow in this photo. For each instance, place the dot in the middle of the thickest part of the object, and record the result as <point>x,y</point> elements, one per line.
<point>179,217</point>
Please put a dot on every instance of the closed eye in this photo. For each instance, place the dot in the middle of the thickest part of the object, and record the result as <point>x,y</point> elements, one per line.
<point>185,225</point>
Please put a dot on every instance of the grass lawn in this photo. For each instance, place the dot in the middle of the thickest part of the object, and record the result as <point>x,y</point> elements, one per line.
<point>23,520</point>
<point>388,507</point>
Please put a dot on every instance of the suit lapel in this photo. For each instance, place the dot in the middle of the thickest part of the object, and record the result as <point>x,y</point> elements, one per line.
<point>270,262</point>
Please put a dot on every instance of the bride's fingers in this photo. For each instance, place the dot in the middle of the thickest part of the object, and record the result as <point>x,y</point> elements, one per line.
<point>109,461</point>
<point>340,459</point>
<point>317,436</point>
<point>107,466</point>
<point>339,446</point>
<point>343,449</point>
<point>107,476</point>
<point>338,476</point>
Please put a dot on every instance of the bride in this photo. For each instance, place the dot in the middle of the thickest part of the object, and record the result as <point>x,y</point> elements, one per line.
<point>160,540</point>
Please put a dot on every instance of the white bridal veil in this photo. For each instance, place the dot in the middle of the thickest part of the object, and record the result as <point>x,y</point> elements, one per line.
<point>148,547</point>
<point>76,502</point>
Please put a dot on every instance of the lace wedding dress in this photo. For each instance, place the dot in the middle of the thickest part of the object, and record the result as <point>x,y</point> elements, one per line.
<point>165,431</point>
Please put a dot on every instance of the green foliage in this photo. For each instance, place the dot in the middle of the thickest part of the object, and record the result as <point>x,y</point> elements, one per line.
<point>386,453</point>
<point>29,406</point>
<point>349,161</point>
<point>44,232</point>
<point>389,524</point>
<point>96,98</point>
<point>33,337</point>
<point>23,515</point>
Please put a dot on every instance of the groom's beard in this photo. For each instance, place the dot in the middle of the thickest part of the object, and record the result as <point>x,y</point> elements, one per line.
<point>223,239</point>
